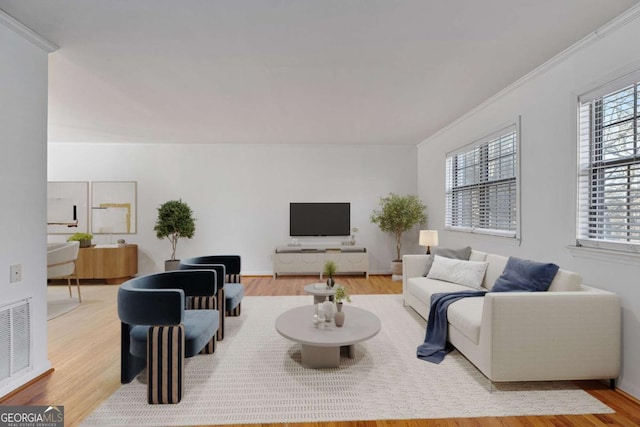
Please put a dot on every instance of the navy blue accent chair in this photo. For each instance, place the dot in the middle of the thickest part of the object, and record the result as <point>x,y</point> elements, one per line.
<point>228,269</point>
<point>158,300</point>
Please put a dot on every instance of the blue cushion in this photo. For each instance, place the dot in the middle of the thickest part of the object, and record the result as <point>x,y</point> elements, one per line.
<point>233,293</point>
<point>199,327</point>
<point>522,275</point>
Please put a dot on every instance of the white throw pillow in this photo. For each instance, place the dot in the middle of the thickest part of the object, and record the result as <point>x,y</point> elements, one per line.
<point>467,273</point>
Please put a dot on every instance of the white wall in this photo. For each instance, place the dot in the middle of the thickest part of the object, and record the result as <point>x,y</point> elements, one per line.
<point>23,139</point>
<point>546,103</point>
<point>240,194</point>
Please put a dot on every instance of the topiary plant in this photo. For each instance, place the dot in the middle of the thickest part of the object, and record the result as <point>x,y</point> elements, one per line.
<point>175,220</point>
<point>398,214</point>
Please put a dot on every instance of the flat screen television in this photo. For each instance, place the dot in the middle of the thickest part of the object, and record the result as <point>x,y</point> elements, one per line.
<point>319,219</point>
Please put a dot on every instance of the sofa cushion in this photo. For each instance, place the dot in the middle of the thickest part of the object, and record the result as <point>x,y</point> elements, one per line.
<point>494,270</point>
<point>565,281</point>
<point>423,288</point>
<point>199,327</point>
<point>477,256</point>
<point>521,275</point>
<point>467,273</point>
<point>462,253</point>
<point>466,316</point>
<point>233,293</point>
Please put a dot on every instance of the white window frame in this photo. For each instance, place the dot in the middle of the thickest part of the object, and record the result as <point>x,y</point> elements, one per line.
<point>591,220</point>
<point>512,233</point>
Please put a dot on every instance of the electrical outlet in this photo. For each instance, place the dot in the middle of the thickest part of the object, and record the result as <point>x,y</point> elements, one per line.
<point>16,273</point>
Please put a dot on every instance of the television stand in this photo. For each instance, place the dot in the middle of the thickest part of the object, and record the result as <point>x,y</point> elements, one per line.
<point>311,259</point>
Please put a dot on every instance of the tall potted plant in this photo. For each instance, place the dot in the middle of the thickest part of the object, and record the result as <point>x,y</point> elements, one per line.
<point>175,220</point>
<point>397,214</point>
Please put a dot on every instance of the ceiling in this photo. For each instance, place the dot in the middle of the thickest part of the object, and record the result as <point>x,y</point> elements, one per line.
<point>289,71</point>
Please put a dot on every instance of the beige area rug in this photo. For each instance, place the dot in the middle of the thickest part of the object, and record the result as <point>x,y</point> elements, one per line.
<point>58,301</point>
<point>255,376</point>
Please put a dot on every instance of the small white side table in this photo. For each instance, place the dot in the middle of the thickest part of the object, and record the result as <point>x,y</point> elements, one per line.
<point>320,291</point>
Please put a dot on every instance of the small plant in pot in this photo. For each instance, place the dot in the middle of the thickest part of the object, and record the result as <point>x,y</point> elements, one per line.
<point>175,220</point>
<point>329,270</point>
<point>83,238</point>
<point>397,214</point>
<point>341,294</point>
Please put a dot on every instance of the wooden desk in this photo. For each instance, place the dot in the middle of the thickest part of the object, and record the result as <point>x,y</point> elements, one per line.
<point>115,265</point>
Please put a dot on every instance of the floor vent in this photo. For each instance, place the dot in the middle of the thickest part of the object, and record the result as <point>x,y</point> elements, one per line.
<point>15,339</point>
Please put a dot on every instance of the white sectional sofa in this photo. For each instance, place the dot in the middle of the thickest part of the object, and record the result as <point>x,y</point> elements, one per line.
<point>570,332</point>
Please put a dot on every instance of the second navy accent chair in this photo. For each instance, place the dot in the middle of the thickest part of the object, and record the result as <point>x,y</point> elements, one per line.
<point>230,288</point>
<point>159,330</point>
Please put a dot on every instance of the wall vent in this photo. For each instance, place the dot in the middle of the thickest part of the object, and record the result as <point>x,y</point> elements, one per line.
<point>15,339</point>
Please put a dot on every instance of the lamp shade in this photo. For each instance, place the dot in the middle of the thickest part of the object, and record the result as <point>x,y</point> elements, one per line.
<point>428,238</point>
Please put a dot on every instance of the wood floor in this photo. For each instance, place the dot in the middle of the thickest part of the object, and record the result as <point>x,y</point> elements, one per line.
<point>84,348</point>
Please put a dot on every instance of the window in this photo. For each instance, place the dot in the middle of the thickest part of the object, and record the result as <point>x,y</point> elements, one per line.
<point>482,185</point>
<point>609,167</point>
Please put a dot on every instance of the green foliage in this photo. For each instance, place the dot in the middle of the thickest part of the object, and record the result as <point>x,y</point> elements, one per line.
<point>330,268</point>
<point>80,236</point>
<point>341,294</point>
<point>398,214</point>
<point>175,220</point>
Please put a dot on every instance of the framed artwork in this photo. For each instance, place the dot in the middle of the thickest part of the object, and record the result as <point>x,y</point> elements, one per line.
<point>67,207</point>
<point>113,207</point>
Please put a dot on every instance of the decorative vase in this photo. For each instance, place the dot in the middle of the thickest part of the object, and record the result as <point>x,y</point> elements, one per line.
<point>327,308</point>
<point>330,282</point>
<point>339,316</point>
<point>86,243</point>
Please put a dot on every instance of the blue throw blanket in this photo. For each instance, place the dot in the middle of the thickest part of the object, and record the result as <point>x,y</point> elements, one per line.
<point>435,347</point>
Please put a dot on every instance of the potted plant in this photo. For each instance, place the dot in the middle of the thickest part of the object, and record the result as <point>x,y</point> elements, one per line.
<point>175,220</point>
<point>329,270</point>
<point>396,215</point>
<point>83,238</point>
<point>341,294</point>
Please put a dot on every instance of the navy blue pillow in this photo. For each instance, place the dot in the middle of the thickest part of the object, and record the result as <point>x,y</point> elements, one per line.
<point>521,275</point>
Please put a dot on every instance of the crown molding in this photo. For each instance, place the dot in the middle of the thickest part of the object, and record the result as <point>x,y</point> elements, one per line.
<point>616,23</point>
<point>26,32</point>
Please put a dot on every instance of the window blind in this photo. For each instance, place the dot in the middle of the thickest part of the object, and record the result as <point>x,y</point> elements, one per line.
<point>609,167</point>
<point>482,185</point>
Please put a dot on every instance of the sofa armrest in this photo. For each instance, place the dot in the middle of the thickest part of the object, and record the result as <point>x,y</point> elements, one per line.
<point>412,266</point>
<point>550,334</point>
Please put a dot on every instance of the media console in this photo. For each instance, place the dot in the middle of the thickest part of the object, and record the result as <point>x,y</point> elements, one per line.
<point>113,264</point>
<point>311,259</point>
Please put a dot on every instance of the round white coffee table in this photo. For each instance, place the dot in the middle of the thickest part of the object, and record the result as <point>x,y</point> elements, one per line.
<point>321,346</point>
<point>320,291</point>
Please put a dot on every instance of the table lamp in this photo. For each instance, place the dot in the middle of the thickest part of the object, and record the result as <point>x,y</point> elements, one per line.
<point>428,238</point>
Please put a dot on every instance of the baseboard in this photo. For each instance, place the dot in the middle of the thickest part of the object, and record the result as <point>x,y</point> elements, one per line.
<point>26,385</point>
<point>262,274</point>
<point>628,396</point>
